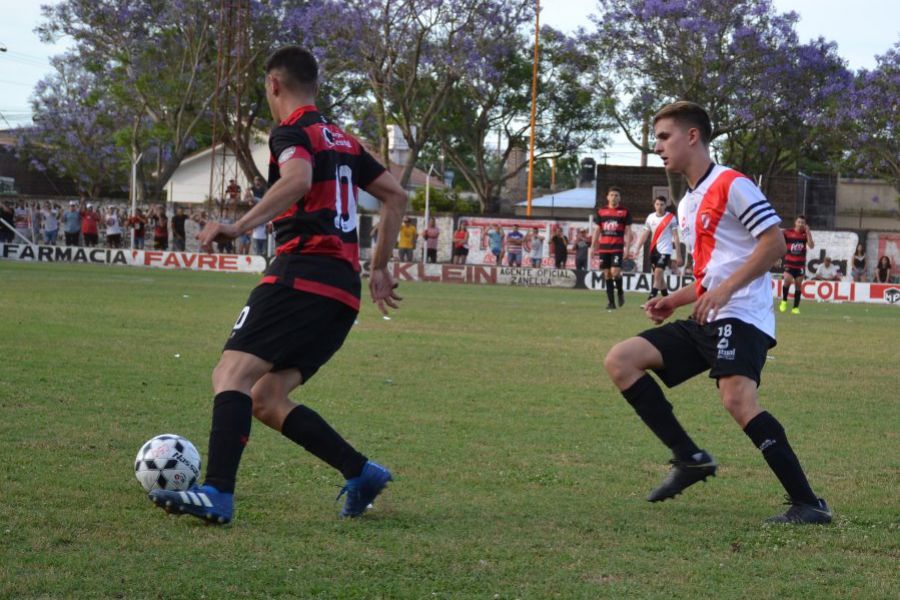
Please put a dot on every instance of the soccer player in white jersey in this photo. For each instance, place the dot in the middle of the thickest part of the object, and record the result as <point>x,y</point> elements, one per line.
<point>733,233</point>
<point>663,226</point>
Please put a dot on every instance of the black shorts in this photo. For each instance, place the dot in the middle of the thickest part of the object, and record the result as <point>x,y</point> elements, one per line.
<point>460,251</point>
<point>659,261</point>
<point>725,347</point>
<point>795,272</point>
<point>611,260</point>
<point>291,329</point>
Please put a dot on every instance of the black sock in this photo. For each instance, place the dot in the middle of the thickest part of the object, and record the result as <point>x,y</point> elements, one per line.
<point>797,297</point>
<point>610,292</point>
<point>651,405</point>
<point>785,291</point>
<point>768,435</point>
<point>232,415</point>
<point>653,292</point>
<point>665,291</point>
<point>305,427</point>
<point>619,284</point>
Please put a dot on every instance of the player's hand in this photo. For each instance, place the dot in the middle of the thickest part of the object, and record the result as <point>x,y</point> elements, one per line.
<point>707,307</point>
<point>679,262</point>
<point>214,231</point>
<point>658,309</point>
<point>383,290</point>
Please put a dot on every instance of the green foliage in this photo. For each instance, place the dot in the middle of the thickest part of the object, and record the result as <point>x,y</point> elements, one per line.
<point>441,200</point>
<point>520,471</point>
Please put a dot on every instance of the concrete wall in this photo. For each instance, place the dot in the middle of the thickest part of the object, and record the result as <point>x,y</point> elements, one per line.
<point>867,204</point>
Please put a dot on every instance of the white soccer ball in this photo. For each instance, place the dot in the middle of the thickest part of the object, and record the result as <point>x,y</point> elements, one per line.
<point>168,462</point>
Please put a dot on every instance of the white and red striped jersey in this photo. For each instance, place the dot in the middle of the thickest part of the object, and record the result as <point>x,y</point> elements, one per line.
<point>719,221</point>
<point>661,239</point>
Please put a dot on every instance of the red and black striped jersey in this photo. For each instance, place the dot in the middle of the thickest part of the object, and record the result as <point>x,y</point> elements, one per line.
<point>795,258</point>
<point>317,242</point>
<point>612,223</point>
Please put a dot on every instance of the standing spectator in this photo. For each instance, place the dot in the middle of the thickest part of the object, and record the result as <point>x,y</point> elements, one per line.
<point>495,238</point>
<point>431,235</point>
<point>882,271</point>
<point>226,246</point>
<point>460,244</point>
<point>8,214</point>
<point>113,228</point>
<point>406,242</point>
<point>536,240</point>
<point>233,192</point>
<point>261,239</point>
<point>559,246</point>
<point>859,264</point>
<point>72,224</point>
<point>90,225</point>
<point>514,247</point>
<point>827,271</point>
<point>34,213</point>
<point>178,236</point>
<point>20,220</point>
<point>582,245</point>
<point>160,223</point>
<point>258,188</point>
<point>138,222</point>
<point>50,217</point>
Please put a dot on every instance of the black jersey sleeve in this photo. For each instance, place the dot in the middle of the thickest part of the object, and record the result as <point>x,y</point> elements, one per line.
<point>285,137</point>
<point>368,169</point>
<point>627,217</point>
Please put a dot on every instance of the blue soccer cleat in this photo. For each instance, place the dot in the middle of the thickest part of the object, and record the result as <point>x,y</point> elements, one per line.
<point>203,501</point>
<point>362,490</point>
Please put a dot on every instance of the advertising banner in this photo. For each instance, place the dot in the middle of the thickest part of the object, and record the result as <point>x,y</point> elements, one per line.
<point>229,263</point>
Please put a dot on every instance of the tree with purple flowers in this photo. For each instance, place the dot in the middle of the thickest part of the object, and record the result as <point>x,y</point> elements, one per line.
<point>738,58</point>
<point>493,98</point>
<point>75,123</point>
<point>155,58</point>
<point>868,121</point>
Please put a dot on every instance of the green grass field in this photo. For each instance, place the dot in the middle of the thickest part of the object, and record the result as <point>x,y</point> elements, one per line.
<point>520,472</point>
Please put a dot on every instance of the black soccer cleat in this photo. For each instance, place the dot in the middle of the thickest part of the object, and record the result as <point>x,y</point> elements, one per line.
<point>621,297</point>
<point>610,306</point>
<point>800,513</point>
<point>683,475</point>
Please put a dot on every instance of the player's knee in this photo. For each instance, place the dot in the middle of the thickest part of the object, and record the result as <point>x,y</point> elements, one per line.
<point>617,363</point>
<point>739,405</point>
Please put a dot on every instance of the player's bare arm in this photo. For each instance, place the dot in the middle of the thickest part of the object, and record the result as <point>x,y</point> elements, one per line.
<point>628,240</point>
<point>641,240</point>
<point>676,247</point>
<point>770,248</point>
<point>809,241</point>
<point>393,204</point>
<point>296,179</point>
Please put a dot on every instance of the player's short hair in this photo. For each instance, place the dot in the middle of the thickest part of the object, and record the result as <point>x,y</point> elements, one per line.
<point>801,217</point>
<point>663,198</point>
<point>614,188</point>
<point>298,66</point>
<point>687,113</point>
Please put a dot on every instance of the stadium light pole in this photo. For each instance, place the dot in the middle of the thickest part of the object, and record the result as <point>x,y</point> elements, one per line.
<point>534,73</point>
<point>427,206</point>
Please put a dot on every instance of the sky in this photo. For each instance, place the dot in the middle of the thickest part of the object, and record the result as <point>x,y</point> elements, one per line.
<point>862,30</point>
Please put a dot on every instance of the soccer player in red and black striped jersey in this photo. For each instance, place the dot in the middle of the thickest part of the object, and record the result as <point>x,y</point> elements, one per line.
<point>798,240</point>
<point>610,240</point>
<point>303,309</point>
